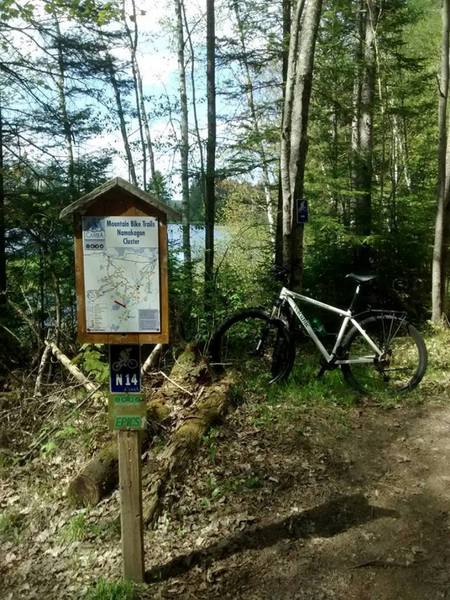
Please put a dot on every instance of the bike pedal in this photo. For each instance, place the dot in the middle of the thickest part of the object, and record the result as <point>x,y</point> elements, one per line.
<point>321,372</point>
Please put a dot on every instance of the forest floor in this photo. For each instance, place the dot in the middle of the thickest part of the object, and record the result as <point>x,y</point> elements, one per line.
<point>305,493</point>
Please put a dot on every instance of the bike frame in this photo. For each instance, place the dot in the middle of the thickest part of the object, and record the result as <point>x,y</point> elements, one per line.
<point>288,296</point>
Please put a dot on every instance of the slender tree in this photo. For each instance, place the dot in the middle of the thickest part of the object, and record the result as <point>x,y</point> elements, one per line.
<point>294,140</point>
<point>184,142</point>
<point>254,120</point>
<point>440,250</point>
<point>287,21</point>
<point>2,217</point>
<point>132,37</point>
<point>121,115</point>
<point>363,121</point>
<point>210,195</point>
<point>60,82</point>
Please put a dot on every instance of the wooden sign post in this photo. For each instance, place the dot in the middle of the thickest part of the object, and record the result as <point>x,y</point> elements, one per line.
<point>122,300</point>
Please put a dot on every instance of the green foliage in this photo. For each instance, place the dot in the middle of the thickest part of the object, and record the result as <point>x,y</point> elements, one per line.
<point>76,529</point>
<point>12,524</point>
<point>221,487</point>
<point>81,528</point>
<point>49,447</point>
<point>67,432</point>
<point>211,442</point>
<point>109,590</point>
<point>93,362</point>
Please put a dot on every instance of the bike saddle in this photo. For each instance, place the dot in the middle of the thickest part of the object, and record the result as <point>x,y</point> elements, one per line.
<point>360,278</point>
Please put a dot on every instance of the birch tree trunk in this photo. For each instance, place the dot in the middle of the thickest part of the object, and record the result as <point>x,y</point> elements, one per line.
<point>144,127</point>
<point>210,200</point>
<point>184,145</point>
<point>287,21</point>
<point>440,250</point>
<point>133,43</point>
<point>294,142</point>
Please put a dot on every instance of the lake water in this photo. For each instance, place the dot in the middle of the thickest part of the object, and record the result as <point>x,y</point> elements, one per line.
<point>175,236</point>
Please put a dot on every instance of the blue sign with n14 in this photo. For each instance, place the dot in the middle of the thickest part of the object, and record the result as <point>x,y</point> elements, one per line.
<point>125,368</point>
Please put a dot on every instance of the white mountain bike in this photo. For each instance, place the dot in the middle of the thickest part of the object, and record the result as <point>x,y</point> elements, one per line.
<point>376,350</point>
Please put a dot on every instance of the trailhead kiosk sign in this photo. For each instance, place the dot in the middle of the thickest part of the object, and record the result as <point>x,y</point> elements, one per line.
<point>122,300</point>
<point>121,274</point>
<point>121,270</point>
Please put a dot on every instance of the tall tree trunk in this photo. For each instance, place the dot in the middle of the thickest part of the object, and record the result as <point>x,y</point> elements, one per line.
<point>294,140</point>
<point>148,137</point>
<point>255,123</point>
<point>121,115</point>
<point>287,10</point>
<point>2,216</point>
<point>67,125</point>
<point>356,116</point>
<point>440,250</point>
<point>210,200</point>
<point>184,145</point>
<point>363,155</point>
<point>144,131</point>
<point>194,99</point>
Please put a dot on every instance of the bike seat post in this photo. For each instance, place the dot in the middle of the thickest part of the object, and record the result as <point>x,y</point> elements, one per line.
<point>355,297</point>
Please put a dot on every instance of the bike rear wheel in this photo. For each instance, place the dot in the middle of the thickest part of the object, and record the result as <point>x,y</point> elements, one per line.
<point>402,364</point>
<point>253,344</point>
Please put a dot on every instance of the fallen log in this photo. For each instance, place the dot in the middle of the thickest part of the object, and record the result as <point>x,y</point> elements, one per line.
<point>211,406</point>
<point>100,475</point>
<point>42,366</point>
<point>152,359</point>
<point>76,373</point>
<point>97,479</point>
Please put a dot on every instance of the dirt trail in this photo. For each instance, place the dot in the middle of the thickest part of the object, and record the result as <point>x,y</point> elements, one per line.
<point>319,503</point>
<point>370,521</point>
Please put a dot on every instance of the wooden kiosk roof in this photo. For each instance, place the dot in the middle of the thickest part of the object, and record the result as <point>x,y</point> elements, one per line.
<point>81,205</point>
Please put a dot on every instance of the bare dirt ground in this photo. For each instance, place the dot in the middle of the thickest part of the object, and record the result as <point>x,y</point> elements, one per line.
<point>367,517</point>
<point>314,502</point>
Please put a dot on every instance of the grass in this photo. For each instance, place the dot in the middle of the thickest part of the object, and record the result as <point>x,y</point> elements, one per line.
<point>111,590</point>
<point>218,488</point>
<point>80,528</point>
<point>274,405</point>
<point>11,525</point>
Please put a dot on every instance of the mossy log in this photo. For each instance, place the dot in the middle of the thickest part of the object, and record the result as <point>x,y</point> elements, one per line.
<point>100,475</point>
<point>97,479</point>
<point>211,406</point>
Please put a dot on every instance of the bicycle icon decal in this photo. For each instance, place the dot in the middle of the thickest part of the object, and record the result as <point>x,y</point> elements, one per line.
<point>125,376</point>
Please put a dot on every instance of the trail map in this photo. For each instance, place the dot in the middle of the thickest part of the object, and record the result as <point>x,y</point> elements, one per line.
<point>121,274</point>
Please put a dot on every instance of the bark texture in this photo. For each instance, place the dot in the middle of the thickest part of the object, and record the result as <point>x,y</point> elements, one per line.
<point>111,71</point>
<point>184,143</point>
<point>441,233</point>
<point>294,141</point>
<point>363,120</point>
<point>210,198</point>
<point>2,218</point>
<point>97,479</point>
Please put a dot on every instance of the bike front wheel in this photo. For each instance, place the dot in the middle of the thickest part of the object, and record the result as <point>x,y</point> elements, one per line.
<point>403,361</point>
<point>253,344</point>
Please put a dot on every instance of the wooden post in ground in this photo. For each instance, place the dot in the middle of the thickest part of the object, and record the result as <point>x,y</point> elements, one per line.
<point>131,504</point>
<point>126,308</point>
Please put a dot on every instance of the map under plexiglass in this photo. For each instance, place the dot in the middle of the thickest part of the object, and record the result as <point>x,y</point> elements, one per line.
<point>121,274</point>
